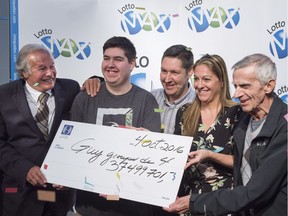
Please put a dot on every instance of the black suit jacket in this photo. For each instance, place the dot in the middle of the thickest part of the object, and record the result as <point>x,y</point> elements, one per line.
<point>23,146</point>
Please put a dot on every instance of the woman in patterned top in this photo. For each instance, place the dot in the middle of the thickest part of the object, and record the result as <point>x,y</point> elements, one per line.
<point>210,120</point>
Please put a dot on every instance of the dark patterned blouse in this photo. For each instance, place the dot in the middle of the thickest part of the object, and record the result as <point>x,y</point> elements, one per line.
<point>209,176</point>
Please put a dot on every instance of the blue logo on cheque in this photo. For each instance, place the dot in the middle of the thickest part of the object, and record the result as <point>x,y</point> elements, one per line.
<point>67,129</point>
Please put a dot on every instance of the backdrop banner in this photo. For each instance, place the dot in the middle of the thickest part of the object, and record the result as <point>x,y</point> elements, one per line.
<point>75,31</point>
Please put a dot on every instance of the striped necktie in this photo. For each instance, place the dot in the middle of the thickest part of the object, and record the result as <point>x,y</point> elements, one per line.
<point>42,114</point>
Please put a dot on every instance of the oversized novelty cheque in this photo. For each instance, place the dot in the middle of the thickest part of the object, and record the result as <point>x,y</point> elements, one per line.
<point>137,165</point>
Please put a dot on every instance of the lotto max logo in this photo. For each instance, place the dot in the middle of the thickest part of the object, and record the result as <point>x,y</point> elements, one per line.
<point>67,48</point>
<point>201,18</point>
<point>67,129</point>
<point>282,92</point>
<point>279,44</point>
<point>136,20</point>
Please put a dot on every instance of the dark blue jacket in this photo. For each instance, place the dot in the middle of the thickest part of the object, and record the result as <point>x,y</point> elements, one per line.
<point>266,192</point>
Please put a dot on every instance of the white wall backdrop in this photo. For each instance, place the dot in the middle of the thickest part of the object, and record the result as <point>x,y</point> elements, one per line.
<point>75,31</point>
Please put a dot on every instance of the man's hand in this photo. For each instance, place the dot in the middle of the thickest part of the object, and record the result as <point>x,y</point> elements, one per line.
<point>180,206</point>
<point>36,177</point>
<point>92,86</point>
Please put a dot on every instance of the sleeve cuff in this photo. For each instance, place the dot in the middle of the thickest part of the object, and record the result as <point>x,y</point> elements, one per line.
<point>101,79</point>
<point>193,198</point>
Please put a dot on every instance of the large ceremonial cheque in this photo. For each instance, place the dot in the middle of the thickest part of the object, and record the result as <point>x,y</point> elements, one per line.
<point>142,166</point>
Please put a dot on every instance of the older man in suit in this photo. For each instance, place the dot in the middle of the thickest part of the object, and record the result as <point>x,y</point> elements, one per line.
<point>26,133</point>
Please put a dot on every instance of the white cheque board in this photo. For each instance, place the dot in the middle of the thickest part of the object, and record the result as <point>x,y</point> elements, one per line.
<point>142,166</point>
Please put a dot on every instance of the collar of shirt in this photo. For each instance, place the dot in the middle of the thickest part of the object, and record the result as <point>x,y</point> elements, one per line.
<point>179,101</point>
<point>34,93</point>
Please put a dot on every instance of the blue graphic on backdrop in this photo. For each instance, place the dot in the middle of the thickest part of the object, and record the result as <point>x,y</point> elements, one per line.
<point>199,20</point>
<point>279,44</point>
<point>130,23</point>
<point>282,92</point>
<point>138,79</point>
<point>64,47</point>
<point>202,18</point>
<point>233,18</point>
<point>284,98</point>
<point>67,48</point>
<point>137,19</point>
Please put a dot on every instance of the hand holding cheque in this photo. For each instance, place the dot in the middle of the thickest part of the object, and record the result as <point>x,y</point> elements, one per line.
<point>131,164</point>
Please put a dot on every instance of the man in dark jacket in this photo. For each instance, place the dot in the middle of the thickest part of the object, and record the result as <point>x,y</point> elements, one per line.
<point>260,160</point>
<point>24,144</point>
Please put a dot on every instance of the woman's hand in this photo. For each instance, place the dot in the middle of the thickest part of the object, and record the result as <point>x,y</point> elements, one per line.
<point>198,156</point>
<point>201,155</point>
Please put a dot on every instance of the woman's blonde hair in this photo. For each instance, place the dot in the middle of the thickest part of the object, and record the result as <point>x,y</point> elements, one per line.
<point>191,115</point>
